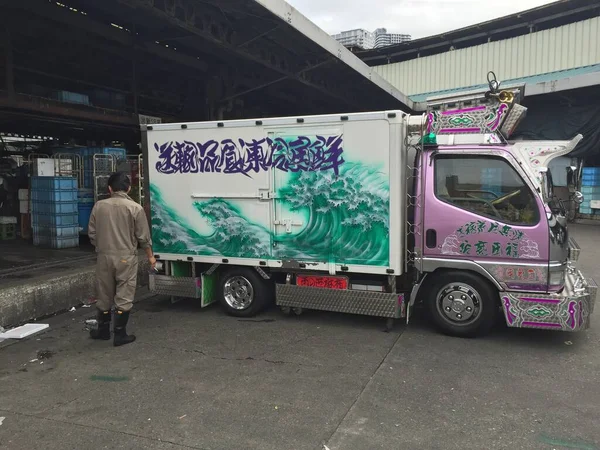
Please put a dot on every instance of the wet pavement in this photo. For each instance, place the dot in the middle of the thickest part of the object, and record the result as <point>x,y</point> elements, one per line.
<point>197,379</point>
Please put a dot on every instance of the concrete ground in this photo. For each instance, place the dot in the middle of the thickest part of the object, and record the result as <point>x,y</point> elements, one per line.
<point>20,254</point>
<point>197,379</point>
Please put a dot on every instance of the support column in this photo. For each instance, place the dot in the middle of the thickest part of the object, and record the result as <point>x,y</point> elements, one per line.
<point>134,85</point>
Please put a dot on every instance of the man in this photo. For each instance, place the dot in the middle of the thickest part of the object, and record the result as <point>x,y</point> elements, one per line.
<point>117,226</point>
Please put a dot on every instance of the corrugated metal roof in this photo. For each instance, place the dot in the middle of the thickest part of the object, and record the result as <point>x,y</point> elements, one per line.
<point>566,47</point>
<point>544,17</point>
<point>535,79</point>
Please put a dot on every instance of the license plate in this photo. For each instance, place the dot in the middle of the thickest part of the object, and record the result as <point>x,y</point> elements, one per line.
<point>322,282</point>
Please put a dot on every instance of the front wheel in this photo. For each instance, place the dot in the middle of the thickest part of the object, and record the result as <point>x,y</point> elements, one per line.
<point>462,304</point>
<point>243,293</point>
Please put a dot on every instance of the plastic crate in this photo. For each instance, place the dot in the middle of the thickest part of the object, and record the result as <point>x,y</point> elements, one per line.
<point>590,180</point>
<point>8,231</point>
<point>39,207</point>
<point>54,196</point>
<point>45,241</point>
<point>590,190</point>
<point>62,232</point>
<point>53,183</point>
<point>73,97</point>
<point>585,210</point>
<point>53,220</point>
<point>85,210</point>
<point>591,171</point>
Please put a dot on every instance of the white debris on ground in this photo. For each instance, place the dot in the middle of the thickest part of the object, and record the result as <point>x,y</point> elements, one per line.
<point>24,331</point>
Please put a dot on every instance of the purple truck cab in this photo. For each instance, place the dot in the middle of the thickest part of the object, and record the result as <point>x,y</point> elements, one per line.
<point>488,224</point>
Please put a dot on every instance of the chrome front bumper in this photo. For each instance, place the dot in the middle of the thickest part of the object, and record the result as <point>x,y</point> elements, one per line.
<point>568,311</point>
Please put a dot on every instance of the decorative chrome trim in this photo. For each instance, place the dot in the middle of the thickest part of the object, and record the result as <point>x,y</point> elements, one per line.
<point>432,264</point>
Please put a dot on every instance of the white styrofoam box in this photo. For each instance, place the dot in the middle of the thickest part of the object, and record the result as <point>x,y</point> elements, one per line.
<point>24,206</point>
<point>7,220</point>
<point>44,167</point>
<point>23,194</point>
<point>24,330</point>
<point>595,204</point>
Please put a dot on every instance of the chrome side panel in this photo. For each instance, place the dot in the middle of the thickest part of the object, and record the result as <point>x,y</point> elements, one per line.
<point>189,287</point>
<point>432,264</point>
<point>367,303</point>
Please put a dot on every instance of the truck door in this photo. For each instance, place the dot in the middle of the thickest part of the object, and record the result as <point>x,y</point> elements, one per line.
<point>479,208</point>
<point>300,187</point>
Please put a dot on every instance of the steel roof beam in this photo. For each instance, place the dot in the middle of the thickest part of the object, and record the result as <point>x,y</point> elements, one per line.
<point>64,16</point>
<point>221,34</point>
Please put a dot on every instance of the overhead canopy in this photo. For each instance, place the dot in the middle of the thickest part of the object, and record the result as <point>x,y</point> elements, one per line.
<point>175,59</point>
<point>560,80</point>
<point>563,115</point>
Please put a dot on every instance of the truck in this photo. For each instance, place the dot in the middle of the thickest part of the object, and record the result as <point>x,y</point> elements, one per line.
<point>369,213</point>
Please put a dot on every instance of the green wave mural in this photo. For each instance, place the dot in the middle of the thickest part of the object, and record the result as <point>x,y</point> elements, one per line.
<point>346,221</point>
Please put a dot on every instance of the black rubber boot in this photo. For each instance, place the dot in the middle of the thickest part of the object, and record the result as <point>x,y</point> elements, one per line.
<point>121,336</point>
<point>103,330</point>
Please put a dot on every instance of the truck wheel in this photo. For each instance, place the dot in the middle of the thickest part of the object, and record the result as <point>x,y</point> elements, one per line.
<point>462,304</point>
<point>243,292</point>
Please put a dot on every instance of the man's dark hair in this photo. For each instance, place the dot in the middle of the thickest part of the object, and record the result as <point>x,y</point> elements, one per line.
<point>119,182</point>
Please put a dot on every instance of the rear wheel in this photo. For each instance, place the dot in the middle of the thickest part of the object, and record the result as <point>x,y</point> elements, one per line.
<point>462,304</point>
<point>243,293</point>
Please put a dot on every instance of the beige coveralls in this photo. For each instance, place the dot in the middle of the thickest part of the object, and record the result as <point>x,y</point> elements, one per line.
<point>117,226</point>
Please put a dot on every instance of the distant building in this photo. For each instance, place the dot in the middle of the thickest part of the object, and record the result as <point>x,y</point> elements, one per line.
<point>383,38</point>
<point>356,38</point>
<point>360,38</point>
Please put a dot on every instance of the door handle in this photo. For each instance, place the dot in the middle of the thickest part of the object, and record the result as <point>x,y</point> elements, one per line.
<point>431,238</point>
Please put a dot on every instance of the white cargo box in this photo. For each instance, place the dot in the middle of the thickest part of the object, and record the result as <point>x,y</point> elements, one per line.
<point>595,204</point>
<point>323,192</point>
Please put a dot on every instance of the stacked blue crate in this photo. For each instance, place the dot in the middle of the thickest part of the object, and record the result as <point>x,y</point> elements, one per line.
<point>54,212</point>
<point>86,203</point>
<point>590,188</point>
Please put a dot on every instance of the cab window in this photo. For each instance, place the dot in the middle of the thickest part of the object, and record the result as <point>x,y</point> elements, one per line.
<point>486,186</point>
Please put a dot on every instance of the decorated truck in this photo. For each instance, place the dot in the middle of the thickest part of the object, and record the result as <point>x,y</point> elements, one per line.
<point>369,213</point>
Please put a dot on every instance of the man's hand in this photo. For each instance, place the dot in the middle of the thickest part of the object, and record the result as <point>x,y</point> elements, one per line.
<point>152,261</point>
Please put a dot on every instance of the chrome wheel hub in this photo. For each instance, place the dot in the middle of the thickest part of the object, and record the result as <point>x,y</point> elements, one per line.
<point>238,292</point>
<point>459,303</point>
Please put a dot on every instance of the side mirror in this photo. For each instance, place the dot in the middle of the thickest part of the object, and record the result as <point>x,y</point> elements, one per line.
<point>547,193</point>
<point>578,197</point>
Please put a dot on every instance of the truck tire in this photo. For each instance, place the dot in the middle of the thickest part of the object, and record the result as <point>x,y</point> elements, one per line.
<point>462,304</point>
<point>243,293</point>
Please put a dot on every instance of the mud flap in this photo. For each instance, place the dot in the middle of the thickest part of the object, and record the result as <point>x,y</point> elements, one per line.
<point>413,298</point>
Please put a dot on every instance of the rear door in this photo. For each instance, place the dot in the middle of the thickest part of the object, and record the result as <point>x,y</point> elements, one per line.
<point>306,165</point>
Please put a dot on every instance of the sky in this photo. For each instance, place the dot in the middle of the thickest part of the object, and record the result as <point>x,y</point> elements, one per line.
<point>419,18</point>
